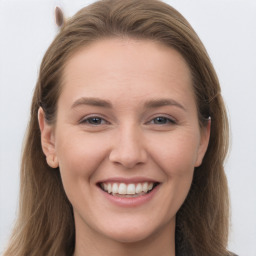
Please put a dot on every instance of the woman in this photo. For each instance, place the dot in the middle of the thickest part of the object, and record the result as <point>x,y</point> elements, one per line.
<point>126,142</point>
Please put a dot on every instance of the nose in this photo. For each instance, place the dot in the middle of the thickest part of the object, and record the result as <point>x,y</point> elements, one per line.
<point>128,149</point>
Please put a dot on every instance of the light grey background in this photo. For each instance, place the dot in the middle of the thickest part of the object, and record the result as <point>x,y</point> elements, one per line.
<point>228,30</point>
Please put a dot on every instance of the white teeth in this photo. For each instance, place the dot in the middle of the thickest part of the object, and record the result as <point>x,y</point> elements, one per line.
<point>127,189</point>
<point>122,189</point>
<point>131,189</point>
<point>115,188</point>
<point>145,187</point>
<point>109,188</point>
<point>138,188</point>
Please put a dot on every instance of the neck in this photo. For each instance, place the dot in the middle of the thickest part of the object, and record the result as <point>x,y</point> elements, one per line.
<point>160,243</point>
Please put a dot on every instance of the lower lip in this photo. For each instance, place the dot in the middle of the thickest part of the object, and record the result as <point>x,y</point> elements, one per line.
<point>131,201</point>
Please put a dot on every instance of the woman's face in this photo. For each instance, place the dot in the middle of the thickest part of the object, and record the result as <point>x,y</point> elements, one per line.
<point>126,138</point>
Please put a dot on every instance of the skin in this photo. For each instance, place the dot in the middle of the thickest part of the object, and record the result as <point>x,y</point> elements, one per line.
<point>127,141</point>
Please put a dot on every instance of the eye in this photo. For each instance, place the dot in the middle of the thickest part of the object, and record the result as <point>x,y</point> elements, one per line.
<point>94,120</point>
<point>161,120</point>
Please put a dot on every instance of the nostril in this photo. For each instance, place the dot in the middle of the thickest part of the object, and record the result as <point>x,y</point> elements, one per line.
<point>128,159</point>
<point>127,162</point>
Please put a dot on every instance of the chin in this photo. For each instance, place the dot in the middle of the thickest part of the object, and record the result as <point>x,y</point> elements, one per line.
<point>129,236</point>
<point>133,232</point>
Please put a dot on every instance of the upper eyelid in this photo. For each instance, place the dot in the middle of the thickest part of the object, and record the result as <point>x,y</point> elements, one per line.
<point>172,119</point>
<point>92,116</point>
<point>97,115</point>
<point>169,122</point>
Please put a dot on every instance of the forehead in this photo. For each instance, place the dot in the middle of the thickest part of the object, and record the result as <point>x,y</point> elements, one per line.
<point>126,65</point>
<point>123,52</point>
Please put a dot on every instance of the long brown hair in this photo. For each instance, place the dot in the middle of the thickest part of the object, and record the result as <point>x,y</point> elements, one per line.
<point>45,224</point>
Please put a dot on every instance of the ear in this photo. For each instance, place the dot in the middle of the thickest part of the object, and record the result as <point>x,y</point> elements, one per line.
<point>204,142</point>
<point>47,140</point>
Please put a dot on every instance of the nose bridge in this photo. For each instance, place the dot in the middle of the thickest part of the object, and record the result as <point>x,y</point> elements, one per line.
<point>128,149</point>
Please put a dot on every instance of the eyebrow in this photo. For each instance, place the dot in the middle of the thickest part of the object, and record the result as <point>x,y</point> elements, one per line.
<point>154,103</point>
<point>92,102</point>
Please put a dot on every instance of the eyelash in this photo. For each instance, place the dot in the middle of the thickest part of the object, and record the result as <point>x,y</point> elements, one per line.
<point>166,119</point>
<point>91,121</point>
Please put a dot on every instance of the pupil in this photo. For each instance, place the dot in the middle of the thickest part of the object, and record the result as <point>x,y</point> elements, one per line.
<point>95,120</point>
<point>160,120</point>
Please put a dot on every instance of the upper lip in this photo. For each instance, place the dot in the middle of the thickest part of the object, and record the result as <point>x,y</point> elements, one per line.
<point>128,180</point>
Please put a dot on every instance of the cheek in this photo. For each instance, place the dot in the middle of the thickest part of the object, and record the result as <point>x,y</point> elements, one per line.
<point>176,159</point>
<point>79,156</point>
<point>177,154</point>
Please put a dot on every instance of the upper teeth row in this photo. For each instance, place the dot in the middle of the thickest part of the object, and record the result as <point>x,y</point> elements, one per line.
<point>129,189</point>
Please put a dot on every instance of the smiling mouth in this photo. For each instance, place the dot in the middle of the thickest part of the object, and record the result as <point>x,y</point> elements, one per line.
<point>128,190</point>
